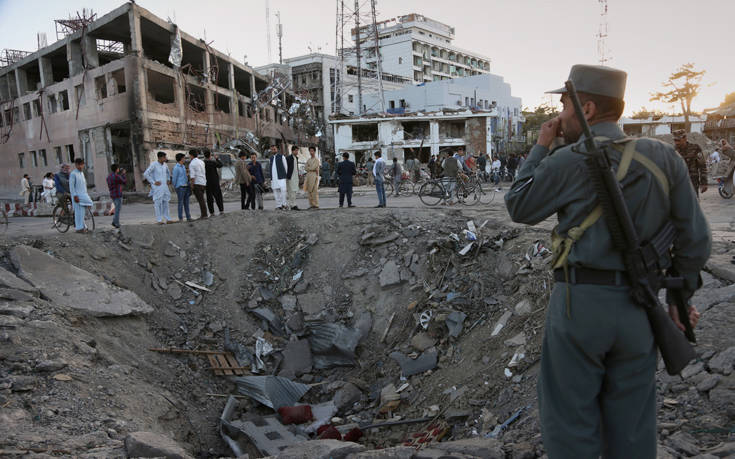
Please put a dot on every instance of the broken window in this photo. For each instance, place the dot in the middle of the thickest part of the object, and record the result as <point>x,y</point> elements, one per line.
<point>70,153</point>
<point>100,87</point>
<point>27,110</point>
<point>222,103</point>
<point>42,155</point>
<point>415,129</point>
<point>8,121</point>
<point>400,60</point>
<point>451,129</point>
<point>36,106</point>
<point>196,98</point>
<point>59,158</point>
<point>64,100</point>
<point>161,87</point>
<point>116,83</point>
<point>350,98</point>
<point>52,108</point>
<point>21,160</point>
<point>16,115</point>
<point>403,103</point>
<point>365,132</point>
<point>392,103</point>
<point>34,159</point>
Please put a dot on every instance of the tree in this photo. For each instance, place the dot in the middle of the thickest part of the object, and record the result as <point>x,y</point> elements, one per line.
<point>683,86</point>
<point>644,113</point>
<point>535,118</point>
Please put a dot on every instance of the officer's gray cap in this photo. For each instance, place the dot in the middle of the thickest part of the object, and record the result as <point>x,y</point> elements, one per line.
<point>596,79</point>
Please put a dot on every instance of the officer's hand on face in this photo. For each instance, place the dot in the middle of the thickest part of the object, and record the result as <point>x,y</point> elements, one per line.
<point>693,316</point>
<point>549,131</point>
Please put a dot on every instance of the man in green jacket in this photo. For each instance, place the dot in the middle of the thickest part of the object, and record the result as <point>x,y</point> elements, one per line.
<point>597,386</point>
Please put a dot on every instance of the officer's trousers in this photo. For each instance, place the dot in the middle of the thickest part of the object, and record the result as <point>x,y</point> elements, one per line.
<point>597,386</point>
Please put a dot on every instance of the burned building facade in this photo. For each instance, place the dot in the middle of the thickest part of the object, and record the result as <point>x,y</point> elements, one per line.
<point>110,93</point>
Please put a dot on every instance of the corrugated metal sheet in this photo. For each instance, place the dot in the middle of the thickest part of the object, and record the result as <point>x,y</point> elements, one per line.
<point>332,344</point>
<point>271,391</point>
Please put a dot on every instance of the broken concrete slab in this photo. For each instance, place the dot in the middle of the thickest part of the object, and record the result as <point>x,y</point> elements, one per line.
<point>174,291</point>
<point>267,434</point>
<point>288,302</point>
<point>311,303</point>
<point>425,362</point>
<point>149,444</point>
<point>346,396</point>
<point>369,239</point>
<point>723,362</point>
<point>517,340</point>
<point>297,359</point>
<point>11,281</point>
<point>74,288</point>
<point>333,344</point>
<point>390,275</point>
<point>486,448</point>
<point>422,341</point>
<point>705,299</point>
<point>501,323</point>
<point>455,323</point>
<point>20,310</point>
<point>523,307</point>
<point>321,449</point>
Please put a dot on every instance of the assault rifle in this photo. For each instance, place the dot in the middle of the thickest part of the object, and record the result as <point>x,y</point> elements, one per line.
<point>640,259</point>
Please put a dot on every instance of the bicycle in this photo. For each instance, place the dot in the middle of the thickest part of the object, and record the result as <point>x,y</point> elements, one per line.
<point>471,192</point>
<point>435,191</point>
<point>63,215</point>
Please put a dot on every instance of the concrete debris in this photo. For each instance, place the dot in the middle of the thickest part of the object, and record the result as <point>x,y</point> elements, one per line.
<point>296,359</point>
<point>288,302</point>
<point>409,367</point>
<point>271,321</point>
<point>390,275</point>
<point>723,362</point>
<point>149,444</point>
<point>262,349</point>
<point>272,391</point>
<point>455,323</point>
<point>9,280</point>
<point>346,396</point>
<point>320,449</point>
<point>243,356</point>
<point>524,307</point>
<point>422,341</point>
<point>517,340</point>
<point>501,323</point>
<point>74,288</point>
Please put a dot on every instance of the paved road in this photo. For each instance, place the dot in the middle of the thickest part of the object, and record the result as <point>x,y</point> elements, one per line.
<point>720,212</point>
<point>142,213</point>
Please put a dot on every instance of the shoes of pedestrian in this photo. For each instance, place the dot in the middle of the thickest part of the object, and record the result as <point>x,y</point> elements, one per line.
<point>295,208</point>
<point>222,213</point>
<point>85,230</point>
<point>189,219</point>
<point>340,205</point>
<point>350,205</point>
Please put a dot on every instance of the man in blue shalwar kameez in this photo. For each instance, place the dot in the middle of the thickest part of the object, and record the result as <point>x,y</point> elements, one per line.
<point>80,198</point>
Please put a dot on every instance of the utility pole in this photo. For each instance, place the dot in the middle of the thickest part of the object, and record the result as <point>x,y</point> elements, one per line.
<point>377,56</point>
<point>357,52</point>
<point>279,34</point>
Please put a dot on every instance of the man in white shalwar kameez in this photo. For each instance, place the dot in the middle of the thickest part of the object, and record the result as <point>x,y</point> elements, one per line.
<point>159,177</point>
<point>80,200</point>
<point>278,168</point>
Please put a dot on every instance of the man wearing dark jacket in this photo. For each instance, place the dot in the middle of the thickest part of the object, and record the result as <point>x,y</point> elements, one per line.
<point>256,171</point>
<point>345,171</point>
<point>214,192</point>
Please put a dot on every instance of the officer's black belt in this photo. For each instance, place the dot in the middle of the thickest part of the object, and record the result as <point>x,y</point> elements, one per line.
<point>591,276</point>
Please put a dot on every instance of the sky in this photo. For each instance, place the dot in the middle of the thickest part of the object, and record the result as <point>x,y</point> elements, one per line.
<point>531,43</point>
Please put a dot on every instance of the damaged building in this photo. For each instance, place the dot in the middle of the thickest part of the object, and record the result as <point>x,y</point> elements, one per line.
<point>122,86</point>
<point>415,135</point>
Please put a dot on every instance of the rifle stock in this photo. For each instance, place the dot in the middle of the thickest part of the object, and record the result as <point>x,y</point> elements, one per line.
<point>645,279</point>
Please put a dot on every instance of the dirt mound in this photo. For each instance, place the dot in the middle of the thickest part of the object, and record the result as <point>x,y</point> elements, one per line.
<point>415,314</point>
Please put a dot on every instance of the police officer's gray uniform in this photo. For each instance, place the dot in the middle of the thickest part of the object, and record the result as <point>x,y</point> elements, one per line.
<point>597,383</point>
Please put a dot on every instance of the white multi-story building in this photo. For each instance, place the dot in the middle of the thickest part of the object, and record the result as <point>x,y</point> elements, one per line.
<point>418,48</point>
<point>478,93</point>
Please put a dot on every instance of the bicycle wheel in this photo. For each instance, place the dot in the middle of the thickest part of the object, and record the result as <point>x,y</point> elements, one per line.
<point>431,193</point>
<point>62,219</point>
<point>388,185</point>
<point>3,221</point>
<point>469,196</point>
<point>88,219</point>
<point>486,196</point>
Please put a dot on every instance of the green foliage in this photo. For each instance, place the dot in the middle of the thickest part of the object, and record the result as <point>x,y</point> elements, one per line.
<point>644,113</point>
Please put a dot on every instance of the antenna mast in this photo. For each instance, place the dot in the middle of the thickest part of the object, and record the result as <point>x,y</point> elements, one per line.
<point>603,53</point>
<point>279,34</point>
<point>268,30</point>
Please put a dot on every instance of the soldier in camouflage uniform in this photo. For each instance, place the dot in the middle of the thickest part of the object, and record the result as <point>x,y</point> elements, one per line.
<point>597,379</point>
<point>693,156</point>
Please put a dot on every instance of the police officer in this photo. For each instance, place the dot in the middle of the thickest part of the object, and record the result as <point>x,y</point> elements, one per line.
<point>597,387</point>
<point>693,156</point>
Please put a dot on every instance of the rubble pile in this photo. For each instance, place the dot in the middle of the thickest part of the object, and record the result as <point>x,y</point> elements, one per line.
<point>308,335</point>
